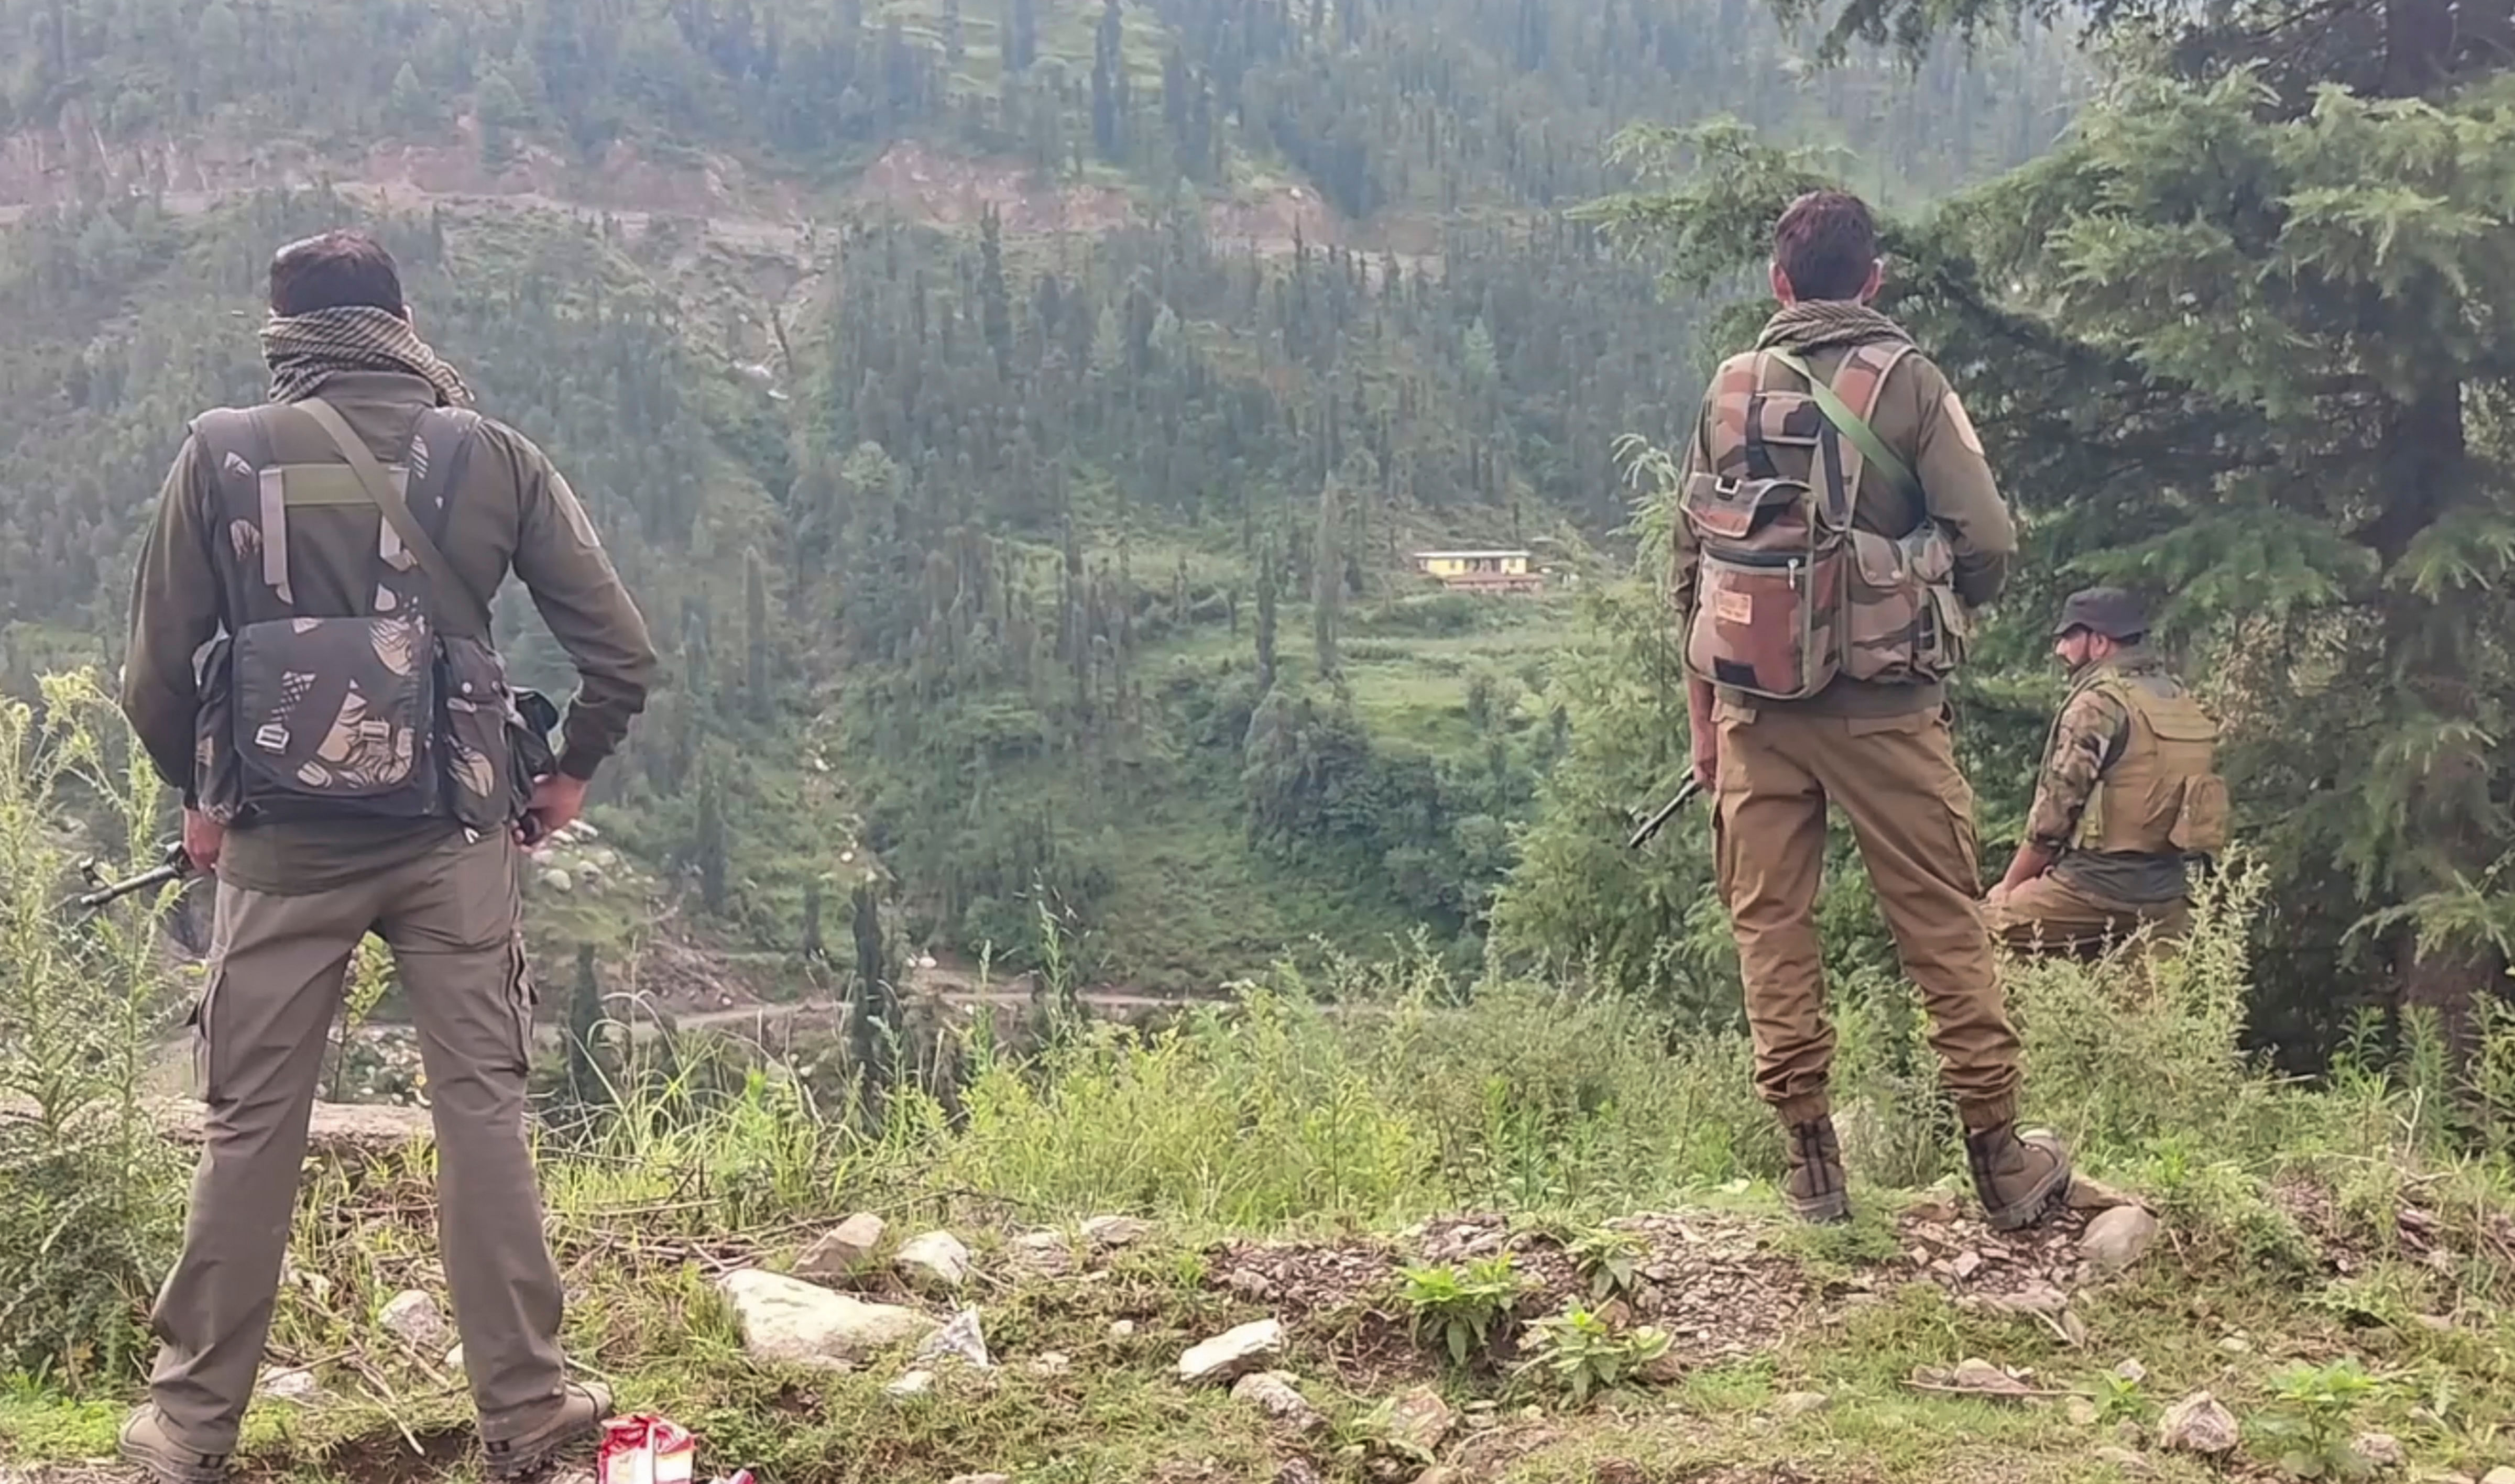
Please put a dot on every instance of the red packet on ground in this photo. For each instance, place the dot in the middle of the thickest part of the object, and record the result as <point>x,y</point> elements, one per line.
<point>646,1449</point>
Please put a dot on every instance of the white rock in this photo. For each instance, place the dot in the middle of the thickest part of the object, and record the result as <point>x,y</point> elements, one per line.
<point>1109,1233</point>
<point>2499,1476</point>
<point>1122,1330</point>
<point>2126,1460</point>
<point>454,1359</point>
<point>290,1385</point>
<point>415,1317</point>
<point>1275,1393</point>
<point>962,1339</point>
<point>586,831</point>
<point>2197,1424</point>
<point>1232,1354</point>
<point>936,1258</point>
<point>2380,1448</point>
<point>558,879</point>
<point>843,1251</point>
<point>1052,1363</point>
<point>1980,1378</point>
<point>2118,1238</point>
<point>2132,1370</point>
<point>786,1319</point>
<point>983,1478</point>
<point>912,1385</point>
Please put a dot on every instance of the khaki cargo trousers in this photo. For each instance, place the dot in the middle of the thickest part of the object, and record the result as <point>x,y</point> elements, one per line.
<point>2050,915</point>
<point>277,966</point>
<point>1912,816</point>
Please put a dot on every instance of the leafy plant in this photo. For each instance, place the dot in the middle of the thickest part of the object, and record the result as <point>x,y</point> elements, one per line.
<point>1609,1261</point>
<point>2119,1398</point>
<point>1585,1355</point>
<point>1457,1307</point>
<point>2312,1421</point>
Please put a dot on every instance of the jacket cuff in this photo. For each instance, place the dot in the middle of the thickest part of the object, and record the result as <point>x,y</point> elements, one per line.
<point>579,764</point>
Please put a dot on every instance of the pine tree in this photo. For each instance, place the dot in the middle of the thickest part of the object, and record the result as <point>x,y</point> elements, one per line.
<point>711,846</point>
<point>757,676</point>
<point>1268,581</point>
<point>1328,574</point>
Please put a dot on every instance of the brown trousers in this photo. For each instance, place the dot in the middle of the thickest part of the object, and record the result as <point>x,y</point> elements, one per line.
<point>2048,915</point>
<point>278,964</point>
<point>1912,816</point>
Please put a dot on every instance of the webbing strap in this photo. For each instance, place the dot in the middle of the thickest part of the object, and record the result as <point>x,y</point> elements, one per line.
<point>1851,424</point>
<point>473,613</point>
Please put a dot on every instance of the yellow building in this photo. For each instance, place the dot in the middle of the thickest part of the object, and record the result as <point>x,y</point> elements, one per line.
<point>1494,571</point>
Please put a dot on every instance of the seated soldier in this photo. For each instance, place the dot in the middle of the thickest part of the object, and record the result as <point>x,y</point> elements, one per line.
<point>2126,794</point>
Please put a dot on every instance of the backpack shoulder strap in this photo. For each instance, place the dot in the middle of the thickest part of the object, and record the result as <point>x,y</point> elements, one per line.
<point>469,612</point>
<point>235,442</point>
<point>1849,403</point>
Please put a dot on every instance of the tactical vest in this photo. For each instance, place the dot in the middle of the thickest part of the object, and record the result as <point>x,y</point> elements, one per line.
<point>399,712</point>
<point>2162,795</point>
<point>1789,594</point>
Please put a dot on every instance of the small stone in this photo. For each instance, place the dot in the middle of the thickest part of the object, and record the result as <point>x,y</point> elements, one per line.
<point>2080,1411</point>
<point>843,1251</point>
<point>1275,1393</point>
<point>2118,1238</point>
<point>2499,1476</point>
<point>454,1359</point>
<point>2088,1194</point>
<point>1420,1422</point>
<point>1802,1403</point>
<point>1440,1473</point>
<point>291,1385</point>
<point>2125,1459</point>
<point>1980,1378</point>
<point>1110,1233</point>
<point>912,1385</point>
<point>1041,1254</point>
<point>983,1478</point>
<point>1936,1208</point>
<point>2132,1433</point>
<point>2434,1324</point>
<point>2132,1370</point>
<point>1232,1354</point>
<point>416,1318</point>
<point>2383,1449</point>
<point>2197,1424</point>
<point>786,1319</point>
<point>1122,1331</point>
<point>962,1339</point>
<point>558,879</point>
<point>937,1257</point>
<point>1052,1363</point>
<point>2236,1344</point>
<point>1965,1265</point>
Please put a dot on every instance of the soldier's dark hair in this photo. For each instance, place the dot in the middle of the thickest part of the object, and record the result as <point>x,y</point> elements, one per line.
<point>337,269</point>
<point>1825,243</point>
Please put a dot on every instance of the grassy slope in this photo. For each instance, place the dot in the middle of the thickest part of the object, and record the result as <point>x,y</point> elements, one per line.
<point>1293,1161</point>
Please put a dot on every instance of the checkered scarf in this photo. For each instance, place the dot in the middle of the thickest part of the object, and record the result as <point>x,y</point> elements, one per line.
<point>303,350</point>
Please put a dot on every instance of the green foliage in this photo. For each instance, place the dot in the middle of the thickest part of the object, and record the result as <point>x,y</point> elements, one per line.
<point>2313,1422</point>
<point>1585,1356</point>
<point>1608,1262</point>
<point>90,1220</point>
<point>1457,1310</point>
<point>371,976</point>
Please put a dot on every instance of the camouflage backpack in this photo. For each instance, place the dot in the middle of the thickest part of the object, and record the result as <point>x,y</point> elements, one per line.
<point>401,711</point>
<point>1788,593</point>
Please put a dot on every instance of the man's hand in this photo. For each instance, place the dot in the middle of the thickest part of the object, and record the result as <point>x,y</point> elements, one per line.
<point>556,802</point>
<point>203,838</point>
<point>1706,756</point>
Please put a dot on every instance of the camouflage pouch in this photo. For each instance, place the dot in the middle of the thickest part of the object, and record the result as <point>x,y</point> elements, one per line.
<point>334,715</point>
<point>1767,570</point>
<point>1903,621</point>
<point>2201,818</point>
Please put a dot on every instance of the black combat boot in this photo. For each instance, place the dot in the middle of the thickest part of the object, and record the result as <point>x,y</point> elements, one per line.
<point>2022,1182</point>
<point>1814,1189</point>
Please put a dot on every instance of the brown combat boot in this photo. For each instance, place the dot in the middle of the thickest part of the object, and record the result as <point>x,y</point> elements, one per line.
<point>580,1415</point>
<point>149,1445</point>
<point>2022,1181</point>
<point>1814,1189</point>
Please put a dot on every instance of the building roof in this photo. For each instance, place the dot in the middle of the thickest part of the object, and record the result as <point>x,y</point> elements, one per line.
<point>1431,556</point>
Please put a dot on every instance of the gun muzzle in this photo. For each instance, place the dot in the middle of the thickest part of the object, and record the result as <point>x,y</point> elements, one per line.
<point>1684,796</point>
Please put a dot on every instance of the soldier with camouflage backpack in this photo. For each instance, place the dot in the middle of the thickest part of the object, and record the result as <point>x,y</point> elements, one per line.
<point>1837,527</point>
<point>310,665</point>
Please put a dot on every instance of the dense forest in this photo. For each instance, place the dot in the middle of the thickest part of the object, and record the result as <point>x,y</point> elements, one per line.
<point>1056,582</point>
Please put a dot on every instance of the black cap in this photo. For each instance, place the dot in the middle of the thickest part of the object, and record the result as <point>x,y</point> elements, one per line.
<point>2109,611</point>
